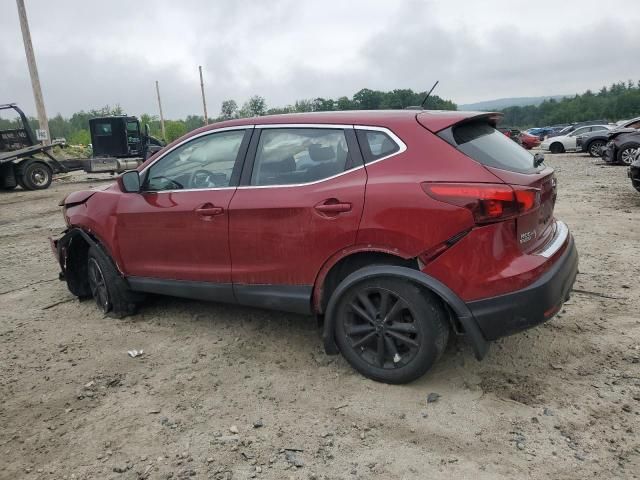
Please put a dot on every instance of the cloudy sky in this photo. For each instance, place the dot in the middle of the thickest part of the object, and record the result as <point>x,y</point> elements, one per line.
<point>95,53</point>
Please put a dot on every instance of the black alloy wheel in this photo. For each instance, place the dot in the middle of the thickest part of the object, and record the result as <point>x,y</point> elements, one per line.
<point>390,330</point>
<point>382,328</point>
<point>98,286</point>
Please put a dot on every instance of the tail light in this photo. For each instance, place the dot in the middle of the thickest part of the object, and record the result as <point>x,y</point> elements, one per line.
<point>488,202</point>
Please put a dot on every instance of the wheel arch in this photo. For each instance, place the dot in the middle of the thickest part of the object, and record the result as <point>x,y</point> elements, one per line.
<point>343,263</point>
<point>73,250</point>
<point>449,298</point>
<point>559,144</point>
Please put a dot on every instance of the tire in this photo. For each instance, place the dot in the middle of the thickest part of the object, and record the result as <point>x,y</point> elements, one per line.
<point>410,349</point>
<point>35,176</point>
<point>595,148</point>
<point>110,291</point>
<point>556,147</point>
<point>627,154</point>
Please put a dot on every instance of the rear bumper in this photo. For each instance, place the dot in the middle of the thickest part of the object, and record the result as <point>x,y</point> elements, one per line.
<point>513,312</point>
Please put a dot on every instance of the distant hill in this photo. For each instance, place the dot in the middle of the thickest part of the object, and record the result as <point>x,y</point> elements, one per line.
<point>500,103</point>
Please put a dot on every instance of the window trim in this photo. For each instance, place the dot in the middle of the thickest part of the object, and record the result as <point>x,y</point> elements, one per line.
<point>240,159</point>
<point>247,156</point>
<point>366,149</point>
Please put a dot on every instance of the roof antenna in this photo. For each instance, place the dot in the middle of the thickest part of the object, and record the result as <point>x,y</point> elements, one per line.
<point>427,97</point>
<point>421,107</point>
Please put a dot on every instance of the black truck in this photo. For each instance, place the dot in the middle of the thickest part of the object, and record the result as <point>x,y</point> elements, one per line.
<point>118,143</point>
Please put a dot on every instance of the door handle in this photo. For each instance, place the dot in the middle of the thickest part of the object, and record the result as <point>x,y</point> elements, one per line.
<point>209,210</point>
<point>333,207</point>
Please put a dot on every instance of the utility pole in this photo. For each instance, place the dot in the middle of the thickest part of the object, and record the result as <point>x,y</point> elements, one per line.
<point>204,101</point>
<point>164,135</point>
<point>33,72</point>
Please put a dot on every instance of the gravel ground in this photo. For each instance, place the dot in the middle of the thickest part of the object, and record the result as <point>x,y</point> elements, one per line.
<point>228,392</point>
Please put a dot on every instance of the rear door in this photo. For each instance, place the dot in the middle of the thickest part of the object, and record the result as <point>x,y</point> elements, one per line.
<point>300,201</point>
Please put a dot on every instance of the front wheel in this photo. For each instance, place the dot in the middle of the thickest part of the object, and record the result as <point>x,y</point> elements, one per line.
<point>390,330</point>
<point>109,290</point>
<point>627,154</point>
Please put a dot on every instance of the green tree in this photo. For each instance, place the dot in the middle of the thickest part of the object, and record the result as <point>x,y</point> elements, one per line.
<point>256,106</point>
<point>79,137</point>
<point>174,129</point>
<point>228,110</point>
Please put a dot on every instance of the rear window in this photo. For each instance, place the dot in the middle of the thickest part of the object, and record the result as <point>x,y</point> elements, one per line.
<point>376,145</point>
<point>489,146</point>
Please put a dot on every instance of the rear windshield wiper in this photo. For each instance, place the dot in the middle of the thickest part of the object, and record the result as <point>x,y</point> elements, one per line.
<point>538,159</point>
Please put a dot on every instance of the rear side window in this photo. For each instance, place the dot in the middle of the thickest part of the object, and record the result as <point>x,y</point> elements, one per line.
<point>289,156</point>
<point>376,145</point>
<point>486,145</point>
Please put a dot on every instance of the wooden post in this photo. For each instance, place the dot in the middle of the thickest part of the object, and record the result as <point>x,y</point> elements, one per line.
<point>33,71</point>
<point>164,134</point>
<point>204,101</point>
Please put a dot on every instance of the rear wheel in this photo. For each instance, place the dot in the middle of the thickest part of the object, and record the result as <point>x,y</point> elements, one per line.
<point>595,148</point>
<point>556,148</point>
<point>109,290</point>
<point>389,330</point>
<point>36,176</point>
<point>627,154</point>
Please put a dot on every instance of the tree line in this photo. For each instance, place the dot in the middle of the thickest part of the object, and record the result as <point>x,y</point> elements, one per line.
<point>75,129</point>
<point>619,101</point>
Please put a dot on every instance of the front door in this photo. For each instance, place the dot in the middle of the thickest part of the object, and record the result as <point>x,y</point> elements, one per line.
<point>299,203</point>
<point>177,228</point>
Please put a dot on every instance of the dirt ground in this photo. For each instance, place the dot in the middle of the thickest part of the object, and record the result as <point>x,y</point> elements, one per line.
<point>227,392</point>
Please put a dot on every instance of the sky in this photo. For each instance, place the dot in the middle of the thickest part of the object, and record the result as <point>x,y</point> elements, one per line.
<point>91,54</point>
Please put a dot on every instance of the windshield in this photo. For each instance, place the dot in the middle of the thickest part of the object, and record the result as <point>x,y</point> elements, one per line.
<point>486,145</point>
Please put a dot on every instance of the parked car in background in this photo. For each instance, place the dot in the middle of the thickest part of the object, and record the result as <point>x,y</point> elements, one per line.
<point>541,132</point>
<point>512,133</point>
<point>594,143</point>
<point>529,141</point>
<point>566,143</point>
<point>634,171</point>
<point>397,228</point>
<point>622,146</point>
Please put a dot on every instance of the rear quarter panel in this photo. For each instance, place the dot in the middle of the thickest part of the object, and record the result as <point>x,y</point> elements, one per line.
<point>398,215</point>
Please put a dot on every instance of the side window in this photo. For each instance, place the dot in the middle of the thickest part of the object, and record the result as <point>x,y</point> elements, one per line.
<point>376,145</point>
<point>205,162</point>
<point>287,156</point>
<point>635,125</point>
<point>597,128</point>
<point>103,129</point>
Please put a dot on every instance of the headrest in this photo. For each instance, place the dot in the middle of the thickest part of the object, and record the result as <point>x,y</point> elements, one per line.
<point>318,153</point>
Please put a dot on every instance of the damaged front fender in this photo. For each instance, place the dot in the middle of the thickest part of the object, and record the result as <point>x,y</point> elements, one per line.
<point>71,250</point>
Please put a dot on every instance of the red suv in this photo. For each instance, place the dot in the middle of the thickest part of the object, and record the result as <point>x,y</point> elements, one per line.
<point>395,228</point>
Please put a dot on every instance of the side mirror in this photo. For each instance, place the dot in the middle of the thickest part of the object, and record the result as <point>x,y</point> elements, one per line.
<point>146,129</point>
<point>129,181</point>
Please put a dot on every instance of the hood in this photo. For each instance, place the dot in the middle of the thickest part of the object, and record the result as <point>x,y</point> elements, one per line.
<point>76,198</point>
<point>619,131</point>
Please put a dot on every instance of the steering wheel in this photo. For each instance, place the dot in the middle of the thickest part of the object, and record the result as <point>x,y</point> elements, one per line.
<point>170,181</point>
<point>202,179</point>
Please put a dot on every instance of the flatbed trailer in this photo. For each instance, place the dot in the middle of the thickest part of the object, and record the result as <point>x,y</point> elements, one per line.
<point>118,145</point>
